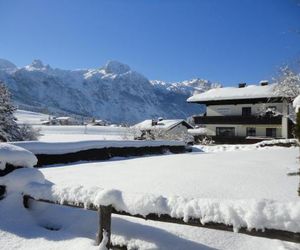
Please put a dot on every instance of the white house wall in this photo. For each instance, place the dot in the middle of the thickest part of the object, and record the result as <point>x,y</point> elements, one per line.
<point>241,130</point>
<point>236,110</point>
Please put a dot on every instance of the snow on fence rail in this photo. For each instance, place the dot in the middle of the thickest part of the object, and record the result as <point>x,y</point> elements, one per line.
<point>66,152</point>
<point>262,218</point>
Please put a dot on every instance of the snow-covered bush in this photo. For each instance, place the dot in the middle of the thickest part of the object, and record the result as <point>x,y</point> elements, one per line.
<point>16,156</point>
<point>28,133</point>
<point>16,169</point>
<point>162,134</point>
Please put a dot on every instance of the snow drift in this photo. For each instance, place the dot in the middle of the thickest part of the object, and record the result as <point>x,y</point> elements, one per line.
<point>252,214</point>
<point>16,156</point>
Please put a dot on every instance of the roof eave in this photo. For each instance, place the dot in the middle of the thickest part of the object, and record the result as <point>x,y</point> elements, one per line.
<point>240,101</point>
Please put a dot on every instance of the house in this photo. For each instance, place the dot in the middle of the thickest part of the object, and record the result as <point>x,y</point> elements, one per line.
<point>246,112</point>
<point>63,120</point>
<point>164,129</point>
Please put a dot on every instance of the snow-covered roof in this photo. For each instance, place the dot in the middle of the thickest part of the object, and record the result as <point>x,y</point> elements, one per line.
<point>296,103</point>
<point>163,124</point>
<point>197,131</point>
<point>16,156</point>
<point>63,118</point>
<point>233,93</point>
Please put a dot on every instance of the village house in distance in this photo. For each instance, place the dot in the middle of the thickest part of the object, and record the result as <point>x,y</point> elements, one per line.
<point>168,129</point>
<point>244,114</point>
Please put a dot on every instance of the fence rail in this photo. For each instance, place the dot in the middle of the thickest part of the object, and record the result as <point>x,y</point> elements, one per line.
<point>105,213</point>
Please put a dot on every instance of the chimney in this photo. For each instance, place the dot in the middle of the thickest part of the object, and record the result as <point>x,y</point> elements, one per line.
<point>264,83</point>
<point>242,85</point>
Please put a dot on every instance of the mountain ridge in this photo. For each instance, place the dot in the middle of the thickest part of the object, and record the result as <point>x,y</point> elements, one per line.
<point>113,92</point>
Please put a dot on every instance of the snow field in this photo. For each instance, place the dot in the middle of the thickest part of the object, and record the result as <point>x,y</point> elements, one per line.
<point>82,133</point>
<point>244,187</point>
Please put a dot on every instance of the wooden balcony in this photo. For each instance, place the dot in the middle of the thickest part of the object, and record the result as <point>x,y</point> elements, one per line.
<point>239,120</point>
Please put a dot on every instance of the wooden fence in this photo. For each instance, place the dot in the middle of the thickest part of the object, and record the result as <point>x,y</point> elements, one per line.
<point>105,213</point>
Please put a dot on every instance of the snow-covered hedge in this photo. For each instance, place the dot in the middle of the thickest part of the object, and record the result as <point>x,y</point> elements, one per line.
<point>16,156</point>
<point>278,142</point>
<point>49,148</point>
<point>258,214</point>
<point>17,180</point>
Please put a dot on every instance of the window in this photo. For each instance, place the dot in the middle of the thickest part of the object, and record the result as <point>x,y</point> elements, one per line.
<point>246,111</point>
<point>225,132</point>
<point>271,132</point>
<point>251,132</point>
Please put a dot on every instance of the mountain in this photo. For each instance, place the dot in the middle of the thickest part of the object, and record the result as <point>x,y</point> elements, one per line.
<point>114,92</point>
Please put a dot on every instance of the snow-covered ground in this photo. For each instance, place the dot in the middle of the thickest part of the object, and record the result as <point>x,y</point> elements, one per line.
<point>29,117</point>
<point>254,178</point>
<point>82,133</point>
<point>257,174</point>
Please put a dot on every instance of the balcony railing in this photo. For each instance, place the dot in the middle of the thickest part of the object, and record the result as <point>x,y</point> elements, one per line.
<point>238,119</point>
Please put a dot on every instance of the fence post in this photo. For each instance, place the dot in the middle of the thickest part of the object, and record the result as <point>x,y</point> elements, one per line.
<point>104,224</point>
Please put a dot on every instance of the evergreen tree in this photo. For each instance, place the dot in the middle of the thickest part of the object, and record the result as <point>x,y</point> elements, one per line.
<point>9,130</point>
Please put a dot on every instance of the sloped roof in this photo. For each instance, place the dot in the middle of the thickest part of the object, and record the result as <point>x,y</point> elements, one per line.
<point>163,124</point>
<point>233,93</point>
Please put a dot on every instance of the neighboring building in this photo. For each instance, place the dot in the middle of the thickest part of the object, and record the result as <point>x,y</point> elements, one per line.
<point>245,112</point>
<point>63,120</point>
<point>99,123</point>
<point>168,128</point>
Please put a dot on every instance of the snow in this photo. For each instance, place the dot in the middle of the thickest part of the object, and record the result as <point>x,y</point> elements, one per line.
<point>252,190</point>
<point>229,93</point>
<point>104,241</point>
<point>163,124</point>
<point>258,214</point>
<point>246,147</point>
<point>198,131</point>
<point>296,103</point>
<point>37,147</point>
<point>113,92</point>
<point>115,67</point>
<point>17,156</point>
<point>263,196</point>
<point>17,180</point>
<point>29,117</point>
<point>82,133</point>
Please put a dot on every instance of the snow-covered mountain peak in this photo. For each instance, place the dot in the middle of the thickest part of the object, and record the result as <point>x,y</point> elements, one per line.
<point>7,65</point>
<point>115,67</point>
<point>37,65</point>
<point>113,92</point>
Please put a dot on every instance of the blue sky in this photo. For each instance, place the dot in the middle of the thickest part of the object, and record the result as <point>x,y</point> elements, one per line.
<point>221,40</point>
